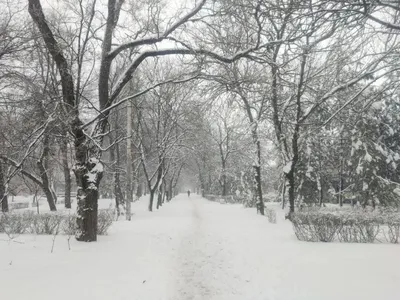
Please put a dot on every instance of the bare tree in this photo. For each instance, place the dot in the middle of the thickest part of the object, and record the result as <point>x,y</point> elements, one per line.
<point>88,168</point>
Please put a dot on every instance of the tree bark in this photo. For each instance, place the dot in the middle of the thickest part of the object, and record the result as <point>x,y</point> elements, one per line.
<point>115,160</point>
<point>257,178</point>
<point>170,190</point>
<point>66,171</point>
<point>88,177</point>
<point>223,169</point>
<point>42,164</point>
<point>151,200</point>
<point>159,198</point>
<point>119,197</point>
<point>129,193</point>
<point>3,195</point>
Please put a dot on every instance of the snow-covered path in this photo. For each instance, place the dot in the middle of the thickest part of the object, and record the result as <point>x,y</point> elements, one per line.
<point>195,249</point>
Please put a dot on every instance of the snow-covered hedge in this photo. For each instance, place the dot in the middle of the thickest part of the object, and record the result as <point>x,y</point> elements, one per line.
<point>347,226</point>
<point>50,223</point>
<point>223,199</point>
<point>269,212</point>
<point>271,215</point>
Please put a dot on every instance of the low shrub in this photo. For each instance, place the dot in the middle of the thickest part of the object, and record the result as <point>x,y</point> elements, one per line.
<point>47,223</point>
<point>271,215</point>
<point>105,218</point>
<point>69,225</point>
<point>231,199</point>
<point>350,226</point>
<point>50,223</point>
<point>12,223</point>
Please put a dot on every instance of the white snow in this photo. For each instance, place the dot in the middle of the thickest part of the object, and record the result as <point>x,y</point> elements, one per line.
<point>396,156</point>
<point>377,105</point>
<point>367,157</point>
<point>356,145</point>
<point>195,249</point>
<point>286,169</point>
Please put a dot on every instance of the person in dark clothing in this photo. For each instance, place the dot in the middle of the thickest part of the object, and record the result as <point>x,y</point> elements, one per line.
<point>188,193</point>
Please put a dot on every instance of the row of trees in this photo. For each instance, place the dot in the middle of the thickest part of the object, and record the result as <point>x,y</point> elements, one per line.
<point>326,89</point>
<point>249,95</point>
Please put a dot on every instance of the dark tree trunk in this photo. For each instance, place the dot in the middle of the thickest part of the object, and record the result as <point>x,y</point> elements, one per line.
<point>66,170</point>
<point>87,215</point>
<point>291,175</point>
<point>42,164</point>
<point>88,173</point>
<point>257,175</point>
<point>159,198</point>
<point>151,200</point>
<point>88,176</point>
<point>169,197</point>
<point>139,191</point>
<point>129,161</point>
<point>223,175</point>
<point>223,179</point>
<point>165,192</point>
<point>223,185</point>
<point>119,197</point>
<point>291,192</point>
<point>3,196</point>
<point>283,193</point>
<point>115,158</point>
<point>258,189</point>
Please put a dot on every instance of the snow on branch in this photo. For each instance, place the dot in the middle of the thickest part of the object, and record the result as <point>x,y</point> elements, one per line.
<point>18,167</point>
<point>157,38</point>
<point>127,75</point>
<point>109,108</point>
<point>365,75</point>
<point>352,99</point>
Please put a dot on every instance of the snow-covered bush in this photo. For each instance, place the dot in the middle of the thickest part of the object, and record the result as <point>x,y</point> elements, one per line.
<point>271,215</point>
<point>69,225</point>
<point>352,226</point>
<point>224,199</point>
<point>12,223</point>
<point>105,218</point>
<point>47,223</point>
<point>50,223</point>
<point>315,226</point>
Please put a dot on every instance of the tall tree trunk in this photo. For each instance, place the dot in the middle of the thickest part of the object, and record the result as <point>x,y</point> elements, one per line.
<point>170,190</point>
<point>119,197</point>
<point>283,193</point>
<point>66,171</point>
<point>129,193</point>
<point>3,195</point>
<point>88,176</point>
<point>223,170</point>
<point>165,191</point>
<point>159,197</point>
<point>291,174</point>
<point>115,160</point>
<point>42,164</point>
<point>158,185</point>
<point>224,185</point>
<point>88,171</point>
<point>257,174</point>
<point>151,200</point>
<point>223,178</point>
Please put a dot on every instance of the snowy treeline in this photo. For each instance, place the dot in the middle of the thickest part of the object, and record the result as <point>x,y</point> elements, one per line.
<point>121,98</point>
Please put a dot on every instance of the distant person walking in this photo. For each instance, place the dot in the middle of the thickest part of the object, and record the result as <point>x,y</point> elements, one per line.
<point>188,193</point>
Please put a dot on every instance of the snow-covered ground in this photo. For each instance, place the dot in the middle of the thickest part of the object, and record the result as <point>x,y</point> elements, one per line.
<point>195,249</point>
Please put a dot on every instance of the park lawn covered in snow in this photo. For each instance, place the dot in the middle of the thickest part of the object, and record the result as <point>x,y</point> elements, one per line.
<point>196,249</point>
